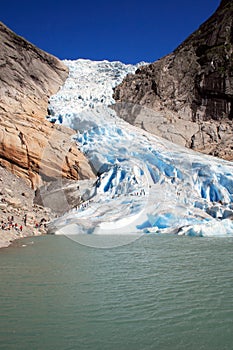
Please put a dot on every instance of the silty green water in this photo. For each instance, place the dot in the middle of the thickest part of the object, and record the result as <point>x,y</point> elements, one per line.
<point>160,292</point>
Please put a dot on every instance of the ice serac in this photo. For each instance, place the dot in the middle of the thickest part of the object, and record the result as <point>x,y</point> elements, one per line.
<point>145,183</point>
<point>187,96</point>
<point>29,145</point>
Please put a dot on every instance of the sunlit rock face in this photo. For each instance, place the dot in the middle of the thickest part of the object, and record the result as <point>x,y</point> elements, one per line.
<point>30,146</point>
<point>190,90</point>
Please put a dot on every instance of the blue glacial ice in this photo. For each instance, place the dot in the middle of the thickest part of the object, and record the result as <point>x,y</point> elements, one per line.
<point>144,183</point>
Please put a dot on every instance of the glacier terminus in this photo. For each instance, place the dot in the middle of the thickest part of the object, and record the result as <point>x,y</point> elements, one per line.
<point>144,184</point>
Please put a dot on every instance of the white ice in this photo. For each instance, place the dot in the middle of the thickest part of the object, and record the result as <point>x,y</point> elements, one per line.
<point>144,183</point>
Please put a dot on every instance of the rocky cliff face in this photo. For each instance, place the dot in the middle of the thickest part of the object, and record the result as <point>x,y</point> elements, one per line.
<point>188,94</point>
<point>30,146</point>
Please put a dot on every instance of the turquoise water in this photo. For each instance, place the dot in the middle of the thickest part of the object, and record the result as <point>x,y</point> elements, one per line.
<point>160,292</point>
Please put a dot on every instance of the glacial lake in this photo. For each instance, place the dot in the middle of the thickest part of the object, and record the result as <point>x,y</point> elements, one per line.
<point>159,292</point>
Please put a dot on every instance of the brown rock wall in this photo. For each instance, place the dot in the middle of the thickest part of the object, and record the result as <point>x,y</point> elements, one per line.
<point>191,87</point>
<point>30,146</point>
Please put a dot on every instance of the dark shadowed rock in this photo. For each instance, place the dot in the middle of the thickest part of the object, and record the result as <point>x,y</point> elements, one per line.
<point>188,94</point>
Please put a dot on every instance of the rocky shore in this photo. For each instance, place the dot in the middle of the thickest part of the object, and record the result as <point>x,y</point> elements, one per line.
<point>19,216</point>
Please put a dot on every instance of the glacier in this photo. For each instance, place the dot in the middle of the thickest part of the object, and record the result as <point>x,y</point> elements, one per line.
<point>144,184</point>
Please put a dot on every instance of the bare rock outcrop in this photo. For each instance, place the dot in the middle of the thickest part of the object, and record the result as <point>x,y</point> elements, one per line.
<point>30,146</point>
<point>188,94</point>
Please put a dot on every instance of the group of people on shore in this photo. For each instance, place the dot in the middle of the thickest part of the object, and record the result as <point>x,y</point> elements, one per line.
<point>10,224</point>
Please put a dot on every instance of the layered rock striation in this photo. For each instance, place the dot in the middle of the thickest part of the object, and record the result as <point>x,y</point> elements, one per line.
<point>30,146</point>
<point>187,96</point>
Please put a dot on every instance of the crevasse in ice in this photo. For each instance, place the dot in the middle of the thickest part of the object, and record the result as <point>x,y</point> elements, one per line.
<point>144,183</point>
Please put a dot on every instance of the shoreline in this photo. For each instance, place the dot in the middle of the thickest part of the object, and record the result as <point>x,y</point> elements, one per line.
<point>19,216</point>
<point>13,238</point>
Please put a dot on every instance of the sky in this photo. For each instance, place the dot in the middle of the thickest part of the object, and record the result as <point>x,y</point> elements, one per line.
<point>130,31</point>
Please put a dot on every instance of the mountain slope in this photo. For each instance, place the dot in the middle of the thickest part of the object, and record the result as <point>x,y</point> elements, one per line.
<point>188,94</point>
<point>30,146</point>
